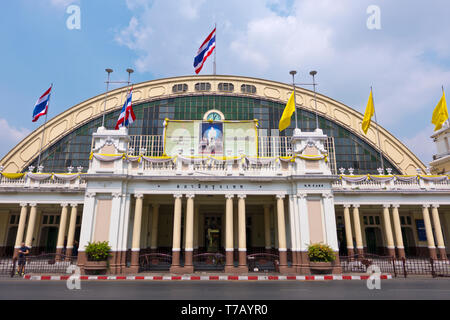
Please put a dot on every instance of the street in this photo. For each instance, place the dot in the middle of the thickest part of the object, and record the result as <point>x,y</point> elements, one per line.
<point>420,288</point>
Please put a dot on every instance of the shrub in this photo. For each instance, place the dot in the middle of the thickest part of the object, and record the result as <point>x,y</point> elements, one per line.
<point>98,251</point>
<point>319,252</point>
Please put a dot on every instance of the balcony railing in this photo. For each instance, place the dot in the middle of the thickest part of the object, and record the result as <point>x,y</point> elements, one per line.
<point>268,147</point>
<point>43,181</point>
<point>391,182</point>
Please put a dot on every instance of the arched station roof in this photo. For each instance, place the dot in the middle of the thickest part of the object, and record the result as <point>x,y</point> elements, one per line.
<point>23,154</point>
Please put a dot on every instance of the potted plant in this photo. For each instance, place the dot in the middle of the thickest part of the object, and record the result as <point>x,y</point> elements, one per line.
<point>97,255</point>
<point>321,258</point>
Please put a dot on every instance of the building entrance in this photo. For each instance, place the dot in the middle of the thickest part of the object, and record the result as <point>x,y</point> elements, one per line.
<point>213,236</point>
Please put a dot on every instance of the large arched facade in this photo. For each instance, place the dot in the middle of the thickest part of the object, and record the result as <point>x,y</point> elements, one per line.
<point>67,138</point>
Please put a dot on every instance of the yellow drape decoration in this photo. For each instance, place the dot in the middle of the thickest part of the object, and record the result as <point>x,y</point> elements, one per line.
<point>12,175</point>
<point>440,113</point>
<point>370,109</point>
<point>285,120</point>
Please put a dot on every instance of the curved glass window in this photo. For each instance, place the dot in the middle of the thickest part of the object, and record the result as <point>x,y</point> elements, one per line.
<point>74,148</point>
<point>247,88</point>
<point>226,87</point>
<point>182,87</point>
<point>203,86</point>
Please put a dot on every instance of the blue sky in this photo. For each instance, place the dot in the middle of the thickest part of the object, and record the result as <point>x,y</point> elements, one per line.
<point>406,61</point>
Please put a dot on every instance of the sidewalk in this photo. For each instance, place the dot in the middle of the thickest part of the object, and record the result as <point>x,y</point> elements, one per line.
<point>208,277</point>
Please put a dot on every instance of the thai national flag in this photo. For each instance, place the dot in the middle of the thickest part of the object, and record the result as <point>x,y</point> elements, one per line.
<point>41,106</point>
<point>126,116</point>
<point>205,51</point>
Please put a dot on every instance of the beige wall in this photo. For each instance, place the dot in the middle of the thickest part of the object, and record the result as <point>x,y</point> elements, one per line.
<point>315,221</point>
<point>102,220</point>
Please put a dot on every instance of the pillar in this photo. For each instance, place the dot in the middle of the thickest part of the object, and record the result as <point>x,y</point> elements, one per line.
<point>358,233</point>
<point>176,238</point>
<point>136,242</point>
<point>61,231</point>
<point>30,228</point>
<point>398,231</point>
<point>189,247</point>
<point>388,231</point>
<point>155,219</point>
<point>267,238</point>
<point>348,230</point>
<point>229,246</point>
<point>281,233</point>
<point>72,226</point>
<point>438,232</point>
<point>429,231</point>
<point>242,235</point>
<point>21,227</point>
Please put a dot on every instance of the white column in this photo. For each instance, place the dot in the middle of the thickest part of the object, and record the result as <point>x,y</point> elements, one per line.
<point>358,232</point>
<point>87,227</point>
<point>136,245</point>
<point>21,227</point>
<point>438,231</point>
<point>72,226</point>
<point>348,230</point>
<point>388,230</point>
<point>330,221</point>
<point>62,228</point>
<point>30,228</point>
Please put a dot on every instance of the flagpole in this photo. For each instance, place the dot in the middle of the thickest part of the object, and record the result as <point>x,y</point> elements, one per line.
<point>109,71</point>
<point>378,131</point>
<point>45,124</point>
<point>215,48</point>
<point>130,71</point>
<point>293,73</point>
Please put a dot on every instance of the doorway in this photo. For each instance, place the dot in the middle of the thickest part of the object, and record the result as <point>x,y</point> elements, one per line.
<point>213,233</point>
<point>49,237</point>
<point>373,239</point>
<point>408,242</point>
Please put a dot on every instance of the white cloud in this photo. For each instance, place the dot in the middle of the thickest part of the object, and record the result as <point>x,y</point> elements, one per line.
<point>10,136</point>
<point>406,61</point>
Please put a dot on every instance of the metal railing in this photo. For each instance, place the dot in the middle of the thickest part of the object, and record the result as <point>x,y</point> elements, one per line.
<point>402,267</point>
<point>154,262</point>
<point>209,261</point>
<point>49,263</point>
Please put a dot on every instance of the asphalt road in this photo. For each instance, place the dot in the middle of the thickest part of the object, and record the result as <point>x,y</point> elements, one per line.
<point>427,289</point>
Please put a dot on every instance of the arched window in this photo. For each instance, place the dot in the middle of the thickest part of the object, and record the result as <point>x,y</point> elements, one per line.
<point>203,86</point>
<point>226,87</point>
<point>182,87</point>
<point>247,88</point>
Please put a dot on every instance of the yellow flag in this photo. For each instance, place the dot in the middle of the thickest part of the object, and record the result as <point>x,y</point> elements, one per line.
<point>370,109</point>
<point>440,113</point>
<point>285,120</point>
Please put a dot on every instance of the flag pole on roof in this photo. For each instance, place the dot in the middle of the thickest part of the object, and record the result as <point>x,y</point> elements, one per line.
<point>205,50</point>
<point>215,50</point>
<point>40,109</point>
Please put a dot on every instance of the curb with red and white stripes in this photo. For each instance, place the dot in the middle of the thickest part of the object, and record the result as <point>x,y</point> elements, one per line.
<point>208,278</point>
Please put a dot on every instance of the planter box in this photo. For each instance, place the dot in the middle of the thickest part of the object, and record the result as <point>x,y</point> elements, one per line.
<point>321,267</point>
<point>96,265</point>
